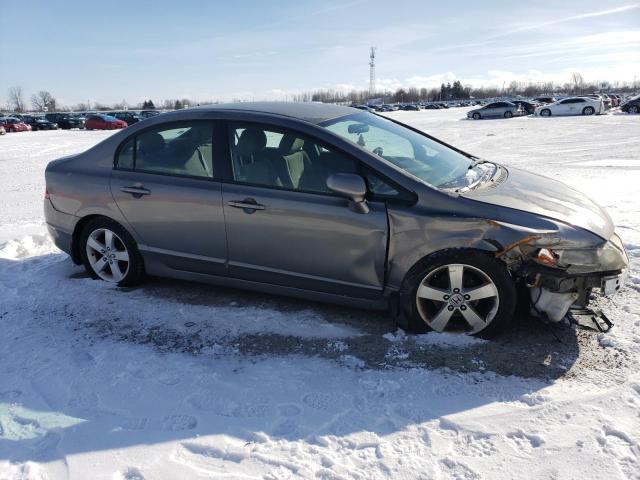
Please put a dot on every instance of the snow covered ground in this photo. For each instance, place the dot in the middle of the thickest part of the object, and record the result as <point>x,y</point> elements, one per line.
<point>178,381</point>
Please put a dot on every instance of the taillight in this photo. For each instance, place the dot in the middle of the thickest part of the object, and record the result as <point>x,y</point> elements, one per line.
<point>46,194</point>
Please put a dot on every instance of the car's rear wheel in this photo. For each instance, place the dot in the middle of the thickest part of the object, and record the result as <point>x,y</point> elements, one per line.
<point>508,114</point>
<point>634,109</point>
<point>476,116</point>
<point>459,290</point>
<point>588,111</point>
<point>545,112</point>
<point>110,253</point>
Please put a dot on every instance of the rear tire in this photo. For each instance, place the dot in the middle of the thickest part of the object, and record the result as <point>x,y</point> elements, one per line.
<point>457,310</point>
<point>588,111</point>
<point>508,114</point>
<point>110,253</point>
<point>545,112</point>
<point>633,109</point>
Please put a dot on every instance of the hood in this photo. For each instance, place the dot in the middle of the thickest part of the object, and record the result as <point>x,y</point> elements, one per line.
<point>549,198</point>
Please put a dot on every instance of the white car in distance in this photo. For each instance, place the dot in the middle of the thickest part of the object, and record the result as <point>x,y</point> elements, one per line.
<point>572,106</point>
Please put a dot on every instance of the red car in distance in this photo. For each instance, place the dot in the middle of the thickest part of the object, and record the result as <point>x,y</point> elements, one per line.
<point>11,124</point>
<point>103,122</point>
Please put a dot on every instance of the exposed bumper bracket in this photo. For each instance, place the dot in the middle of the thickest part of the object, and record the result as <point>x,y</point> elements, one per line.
<point>589,319</point>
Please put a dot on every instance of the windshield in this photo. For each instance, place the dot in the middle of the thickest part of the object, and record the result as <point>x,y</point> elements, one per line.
<point>422,157</point>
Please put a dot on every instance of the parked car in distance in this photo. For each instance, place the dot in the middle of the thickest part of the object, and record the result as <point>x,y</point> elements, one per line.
<point>631,105</point>
<point>13,124</point>
<point>64,120</point>
<point>495,110</point>
<point>544,99</point>
<point>572,106</point>
<point>39,123</point>
<point>126,116</point>
<point>528,107</point>
<point>103,122</point>
<point>149,113</point>
<point>431,106</point>
<point>411,107</point>
<point>437,234</point>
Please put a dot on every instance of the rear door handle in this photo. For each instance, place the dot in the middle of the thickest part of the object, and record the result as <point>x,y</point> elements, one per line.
<point>136,191</point>
<point>246,204</point>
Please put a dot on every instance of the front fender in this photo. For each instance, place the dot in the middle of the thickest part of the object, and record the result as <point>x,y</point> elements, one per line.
<point>412,237</point>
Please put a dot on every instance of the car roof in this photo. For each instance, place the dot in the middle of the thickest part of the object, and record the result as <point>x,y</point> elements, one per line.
<point>308,111</point>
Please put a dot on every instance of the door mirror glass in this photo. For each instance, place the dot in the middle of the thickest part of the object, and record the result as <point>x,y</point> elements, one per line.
<point>352,187</point>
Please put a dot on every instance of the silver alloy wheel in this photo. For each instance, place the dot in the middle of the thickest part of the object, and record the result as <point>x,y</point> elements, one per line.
<point>545,113</point>
<point>633,109</point>
<point>588,111</point>
<point>107,254</point>
<point>460,294</point>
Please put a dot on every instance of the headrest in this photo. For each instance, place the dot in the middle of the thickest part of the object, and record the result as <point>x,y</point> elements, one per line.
<point>151,142</point>
<point>290,144</point>
<point>251,141</point>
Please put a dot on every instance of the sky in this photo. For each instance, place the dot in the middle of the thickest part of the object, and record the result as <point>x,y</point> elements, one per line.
<point>254,50</point>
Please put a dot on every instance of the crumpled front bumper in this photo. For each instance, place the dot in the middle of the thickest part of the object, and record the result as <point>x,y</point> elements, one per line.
<point>555,289</point>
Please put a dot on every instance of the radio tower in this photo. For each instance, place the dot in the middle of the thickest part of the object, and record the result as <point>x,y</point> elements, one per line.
<point>372,72</point>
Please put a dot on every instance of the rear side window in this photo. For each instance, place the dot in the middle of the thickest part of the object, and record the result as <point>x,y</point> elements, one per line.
<point>184,149</point>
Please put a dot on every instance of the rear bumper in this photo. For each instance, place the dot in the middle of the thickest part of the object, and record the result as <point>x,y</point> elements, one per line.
<point>60,226</point>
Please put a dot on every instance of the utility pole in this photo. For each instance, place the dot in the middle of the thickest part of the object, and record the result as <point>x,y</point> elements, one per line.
<point>372,72</point>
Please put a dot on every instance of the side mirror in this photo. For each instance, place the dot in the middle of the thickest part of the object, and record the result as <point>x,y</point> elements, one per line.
<point>352,187</point>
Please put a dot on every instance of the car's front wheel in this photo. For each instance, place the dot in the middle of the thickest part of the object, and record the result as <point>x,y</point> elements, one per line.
<point>110,253</point>
<point>459,290</point>
<point>545,112</point>
<point>476,116</point>
<point>508,114</point>
<point>634,109</point>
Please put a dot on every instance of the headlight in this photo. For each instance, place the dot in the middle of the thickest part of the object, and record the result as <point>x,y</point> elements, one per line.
<point>610,256</point>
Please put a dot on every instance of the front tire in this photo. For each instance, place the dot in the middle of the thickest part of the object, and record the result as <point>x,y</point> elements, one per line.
<point>476,116</point>
<point>634,109</point>
<point>508,114</point>
<point>545,112</point>
<point>459,290</point>
<point>110,253</point>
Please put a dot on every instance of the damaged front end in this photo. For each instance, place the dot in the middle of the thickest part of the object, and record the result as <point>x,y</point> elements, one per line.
<point>561,271</point>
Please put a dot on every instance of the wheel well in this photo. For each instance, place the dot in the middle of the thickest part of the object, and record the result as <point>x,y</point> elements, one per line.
<point>75,238</point>
<point>447,251</point>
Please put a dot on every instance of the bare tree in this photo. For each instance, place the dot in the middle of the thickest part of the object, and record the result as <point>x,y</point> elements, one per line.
<point>16,99</point>
<point>43,99</point>
<point>577,81</point>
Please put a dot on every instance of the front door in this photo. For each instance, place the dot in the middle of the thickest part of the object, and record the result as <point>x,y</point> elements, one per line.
<point>164,186</point>
<point>285,227</point>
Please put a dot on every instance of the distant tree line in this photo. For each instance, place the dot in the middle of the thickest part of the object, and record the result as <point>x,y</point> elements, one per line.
<point>457,91</point>
<point>43,100</point>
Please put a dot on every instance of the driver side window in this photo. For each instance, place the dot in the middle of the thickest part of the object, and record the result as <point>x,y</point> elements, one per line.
<point>285,159</point>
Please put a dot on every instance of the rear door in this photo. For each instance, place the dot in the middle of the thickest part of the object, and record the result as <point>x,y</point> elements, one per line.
<point>166,188</point>
<point>285,227</point>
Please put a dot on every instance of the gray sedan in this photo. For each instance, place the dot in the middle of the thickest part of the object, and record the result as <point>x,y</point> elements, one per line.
<point>496,110</point>
<point>333,204</point>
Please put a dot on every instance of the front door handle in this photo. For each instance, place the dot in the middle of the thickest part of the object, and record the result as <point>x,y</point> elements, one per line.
<point>136,190</point>
<point>249,205</point>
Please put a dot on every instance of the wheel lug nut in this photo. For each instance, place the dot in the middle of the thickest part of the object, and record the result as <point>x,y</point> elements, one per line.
<point>450,307</point>
<point>446,297</point>
<point>463,307</point>
<point>456,290</point>
<point>467,297</point>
